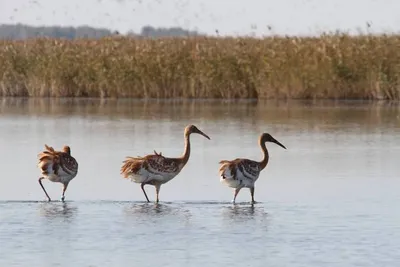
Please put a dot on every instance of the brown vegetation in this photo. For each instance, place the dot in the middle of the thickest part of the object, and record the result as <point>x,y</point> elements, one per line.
<point>331,66</point>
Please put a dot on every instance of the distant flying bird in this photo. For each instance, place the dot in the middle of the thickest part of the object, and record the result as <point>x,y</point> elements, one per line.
<point>156,169</point>
<point>240,173</point>
<point>57,166</point>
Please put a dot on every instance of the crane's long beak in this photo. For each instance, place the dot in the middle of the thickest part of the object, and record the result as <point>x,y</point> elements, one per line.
<point>203,134</point>
<point>279,144</point>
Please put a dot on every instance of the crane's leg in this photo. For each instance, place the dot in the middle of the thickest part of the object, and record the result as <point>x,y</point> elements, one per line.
<point>40,182</point>
<point>235,194</point>
<point>158,186</point>
<point>142,186</point>
<point>63,193</point>
<point>252,195</point>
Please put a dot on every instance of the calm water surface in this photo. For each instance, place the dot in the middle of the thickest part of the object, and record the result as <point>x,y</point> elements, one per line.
<point>331,199</point>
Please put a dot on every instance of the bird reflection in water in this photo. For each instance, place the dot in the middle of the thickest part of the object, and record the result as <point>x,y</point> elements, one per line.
<point>57,210</point>
<point>247,211</point>
<point>150,209</point>
<point>243,212</point>
<point>156,210</point>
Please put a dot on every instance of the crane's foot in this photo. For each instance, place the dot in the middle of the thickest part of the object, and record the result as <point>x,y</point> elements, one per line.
<point>253,202</point>
<point>48,200</point>
<point>62,198</point>
<point>233,201</point>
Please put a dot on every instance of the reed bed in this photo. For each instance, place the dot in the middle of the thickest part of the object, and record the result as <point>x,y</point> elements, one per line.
<point>336,66</point>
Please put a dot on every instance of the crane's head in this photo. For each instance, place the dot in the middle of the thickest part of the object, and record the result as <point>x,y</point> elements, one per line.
<point>193,129</point>
<point>67,149</point>
<point>266,137</point>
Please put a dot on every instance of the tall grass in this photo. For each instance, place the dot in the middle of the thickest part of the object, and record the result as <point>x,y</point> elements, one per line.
<point>335,66</point>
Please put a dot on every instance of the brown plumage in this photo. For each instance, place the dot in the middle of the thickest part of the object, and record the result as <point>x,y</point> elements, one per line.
<point>156,169</point>
<point>57,166</point>
<point>239,173</point>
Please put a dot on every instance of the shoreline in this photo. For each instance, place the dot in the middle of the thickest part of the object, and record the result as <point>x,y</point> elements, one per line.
<point>184,101</point>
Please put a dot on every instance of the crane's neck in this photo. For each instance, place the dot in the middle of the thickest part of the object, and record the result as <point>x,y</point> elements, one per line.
<point>264,161</point>
<point>186,153</point>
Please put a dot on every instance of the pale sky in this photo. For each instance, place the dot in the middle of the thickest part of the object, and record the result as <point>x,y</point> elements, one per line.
<point>230,17</point>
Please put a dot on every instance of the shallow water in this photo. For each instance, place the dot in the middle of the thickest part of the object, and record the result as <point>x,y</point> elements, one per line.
<point>330,199</point>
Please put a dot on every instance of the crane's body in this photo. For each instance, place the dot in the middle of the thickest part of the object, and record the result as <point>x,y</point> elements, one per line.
<point>57,166</point>
<point>243,173</point>
<point>157,169</point>
<point>239,173</point>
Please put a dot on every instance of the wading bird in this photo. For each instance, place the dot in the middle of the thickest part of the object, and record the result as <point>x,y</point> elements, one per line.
<point>157,169</point>
<point>57,166</point>
<point>239,173</point>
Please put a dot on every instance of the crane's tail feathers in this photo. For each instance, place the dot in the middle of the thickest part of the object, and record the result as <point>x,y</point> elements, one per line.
<point>131,166</point>
<point>132,158</point>
<point>49,148</point>
<point>226,171</point>
<point>49,161</point>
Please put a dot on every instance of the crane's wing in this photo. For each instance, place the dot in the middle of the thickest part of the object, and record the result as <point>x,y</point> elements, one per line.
<point>153,165</point>
<point>159,164</point>
<point>240,169</point>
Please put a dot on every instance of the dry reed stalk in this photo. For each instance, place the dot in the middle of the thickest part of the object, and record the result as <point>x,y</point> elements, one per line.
<point>335,66</point>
